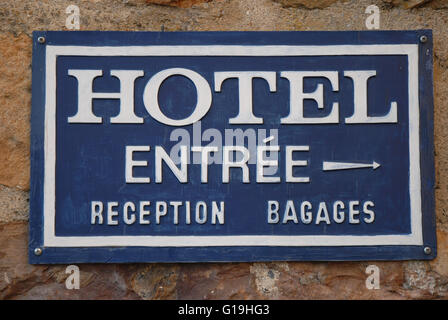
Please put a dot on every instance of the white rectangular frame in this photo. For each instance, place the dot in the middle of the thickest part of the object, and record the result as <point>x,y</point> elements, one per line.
<point>50,238</point>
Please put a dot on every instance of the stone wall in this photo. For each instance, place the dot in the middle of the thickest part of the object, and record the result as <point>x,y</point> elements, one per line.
<point>283,280</point>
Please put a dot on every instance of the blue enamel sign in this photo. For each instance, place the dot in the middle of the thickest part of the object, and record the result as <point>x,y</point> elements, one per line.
<point>231,146</point>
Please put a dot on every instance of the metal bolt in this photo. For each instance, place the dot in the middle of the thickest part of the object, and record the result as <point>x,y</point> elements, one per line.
<point>38,251</point>
<point>41,40</point>
<point>423,39</point>
<point>427,250</point>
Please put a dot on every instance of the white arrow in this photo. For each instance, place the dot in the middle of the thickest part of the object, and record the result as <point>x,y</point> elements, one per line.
<point>329,165</point>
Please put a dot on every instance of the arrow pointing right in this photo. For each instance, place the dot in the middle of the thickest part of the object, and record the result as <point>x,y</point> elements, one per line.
<point>331,165</point>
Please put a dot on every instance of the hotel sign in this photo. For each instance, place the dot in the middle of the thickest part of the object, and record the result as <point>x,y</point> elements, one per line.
<point>232,146</point>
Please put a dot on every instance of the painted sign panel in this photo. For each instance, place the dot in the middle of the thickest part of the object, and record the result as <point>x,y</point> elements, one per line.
<point>232,146</point>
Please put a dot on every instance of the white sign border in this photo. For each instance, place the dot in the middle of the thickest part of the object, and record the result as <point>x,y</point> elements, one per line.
<point>50,238</point>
